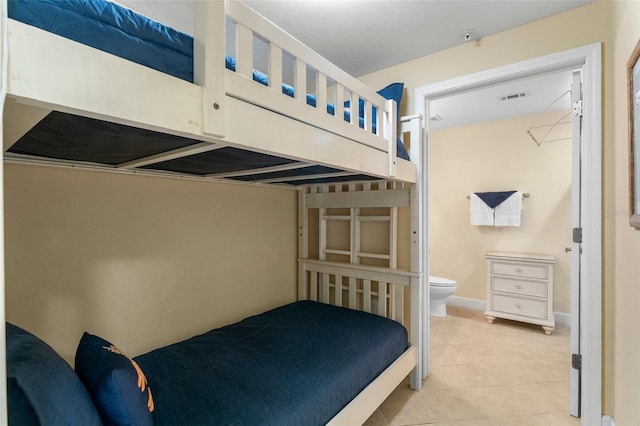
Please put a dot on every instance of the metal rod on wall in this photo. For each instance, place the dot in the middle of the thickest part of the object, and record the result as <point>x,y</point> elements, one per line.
<point>524,195</point>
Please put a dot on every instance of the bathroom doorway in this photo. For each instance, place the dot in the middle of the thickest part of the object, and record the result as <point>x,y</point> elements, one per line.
<point>587,60</point>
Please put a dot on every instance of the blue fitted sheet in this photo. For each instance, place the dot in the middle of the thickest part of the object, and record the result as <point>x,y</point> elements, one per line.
<point>299,364</point>
<point>117,30</point>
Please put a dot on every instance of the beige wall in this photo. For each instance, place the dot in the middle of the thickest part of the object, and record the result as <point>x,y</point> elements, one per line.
<point>498,156</point>
<point>141,261</point>
<point>626,292</point>
<point>579,27</point>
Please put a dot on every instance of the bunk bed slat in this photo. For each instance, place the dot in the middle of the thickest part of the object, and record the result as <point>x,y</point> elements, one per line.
<point>321,91</point>
<point>244,51</point>
<point>275,66</point>
<point>354,229</point>
<point>353,291</point>
<point>390,133</point>
<point>171,155</point>
<point>338,290</point>
<point>300,80</point>
<point>398,304</point>
<point>367,116</point>
<point>354,104</point>
<point>393,237</point>
<point>366,295</point>
<point>314,286</point>
<point>382,298</point>
<point>339,106</point>
<point>324,288</point>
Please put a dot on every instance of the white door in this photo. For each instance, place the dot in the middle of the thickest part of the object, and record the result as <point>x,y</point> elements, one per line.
<point>576,246</point>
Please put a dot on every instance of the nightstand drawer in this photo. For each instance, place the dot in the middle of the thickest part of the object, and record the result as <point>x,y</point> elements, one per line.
<point>518,306</point>
<point>516,286</point>
<point>519,270</point>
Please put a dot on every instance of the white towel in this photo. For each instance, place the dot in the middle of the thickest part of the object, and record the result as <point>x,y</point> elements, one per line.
<point>481,213</point>
<point>508,212</point>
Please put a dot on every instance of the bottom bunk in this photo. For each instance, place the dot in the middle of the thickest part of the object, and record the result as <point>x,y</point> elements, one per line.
<point>302,363</point>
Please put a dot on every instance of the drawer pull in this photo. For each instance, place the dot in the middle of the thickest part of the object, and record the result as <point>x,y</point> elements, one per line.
<point>519,270</point>
<point>518,305</point>
<point>518,286</point>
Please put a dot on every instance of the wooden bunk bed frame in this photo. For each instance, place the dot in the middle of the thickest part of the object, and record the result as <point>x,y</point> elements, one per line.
<point>215,110</point>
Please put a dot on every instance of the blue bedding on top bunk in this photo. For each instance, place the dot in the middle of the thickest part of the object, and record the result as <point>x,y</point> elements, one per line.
<point>294,365</point>
<point>124,33</point>
<point>113,29</point>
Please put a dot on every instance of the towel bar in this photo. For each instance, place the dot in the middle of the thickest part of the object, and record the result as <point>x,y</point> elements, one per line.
<point>524,195</point>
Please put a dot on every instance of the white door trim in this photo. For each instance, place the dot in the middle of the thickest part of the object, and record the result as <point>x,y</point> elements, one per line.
<point>576,246</point>
<point>589,59</point>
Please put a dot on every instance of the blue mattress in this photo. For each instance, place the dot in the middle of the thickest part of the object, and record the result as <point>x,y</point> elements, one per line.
<point>299,364</point>
<point>124,33</point>
<point>113,29</point>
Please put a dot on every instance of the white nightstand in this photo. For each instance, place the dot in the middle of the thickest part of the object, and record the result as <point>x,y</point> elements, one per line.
<point>520,288</point>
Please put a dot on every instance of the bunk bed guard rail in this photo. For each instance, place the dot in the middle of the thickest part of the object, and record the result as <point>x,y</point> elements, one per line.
<point>340,102</point>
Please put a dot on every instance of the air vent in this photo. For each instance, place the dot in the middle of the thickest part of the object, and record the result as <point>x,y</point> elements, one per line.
<point>512,96</point>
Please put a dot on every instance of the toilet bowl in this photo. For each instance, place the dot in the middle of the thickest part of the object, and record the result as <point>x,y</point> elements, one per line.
<point>439,289</point>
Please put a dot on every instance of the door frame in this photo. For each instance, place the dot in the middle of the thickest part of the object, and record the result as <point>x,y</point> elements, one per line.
<point>589,60</point>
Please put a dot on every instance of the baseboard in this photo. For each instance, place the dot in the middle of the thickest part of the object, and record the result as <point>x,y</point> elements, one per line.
<point>467,303</point>
<point>481,305</point>
<point>563,318</point>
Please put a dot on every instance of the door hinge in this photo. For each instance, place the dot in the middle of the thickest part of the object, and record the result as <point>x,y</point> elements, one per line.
<point>576,361</point>
<point>577,108</point>
<point>577,235</point>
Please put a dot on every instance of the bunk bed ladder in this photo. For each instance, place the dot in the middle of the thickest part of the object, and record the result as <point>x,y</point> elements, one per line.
<point>340,203</point>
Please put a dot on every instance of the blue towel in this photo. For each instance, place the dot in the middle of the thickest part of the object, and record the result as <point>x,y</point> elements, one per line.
<point>493,199</point>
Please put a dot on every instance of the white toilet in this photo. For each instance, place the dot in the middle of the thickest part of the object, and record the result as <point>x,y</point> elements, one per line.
<point>439,289</point>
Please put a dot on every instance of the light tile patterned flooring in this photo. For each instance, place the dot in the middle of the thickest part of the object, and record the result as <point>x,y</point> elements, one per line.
<point>501,374</point>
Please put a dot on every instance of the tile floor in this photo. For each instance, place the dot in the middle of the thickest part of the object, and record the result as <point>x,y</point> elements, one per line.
<point>506,373</point>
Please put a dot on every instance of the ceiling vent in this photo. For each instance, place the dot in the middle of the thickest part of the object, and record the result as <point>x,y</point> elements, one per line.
<point>512,96</point>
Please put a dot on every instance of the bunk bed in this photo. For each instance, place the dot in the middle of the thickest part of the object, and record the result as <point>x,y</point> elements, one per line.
<point>192,124</point>
<point>74,102</point>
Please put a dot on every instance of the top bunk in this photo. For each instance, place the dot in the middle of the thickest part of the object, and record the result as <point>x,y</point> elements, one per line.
<point>92,84</point>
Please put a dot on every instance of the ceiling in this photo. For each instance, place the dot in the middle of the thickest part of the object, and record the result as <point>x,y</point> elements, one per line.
<point>382,33</point>
<point>540,96</point>
<point>364,36</point>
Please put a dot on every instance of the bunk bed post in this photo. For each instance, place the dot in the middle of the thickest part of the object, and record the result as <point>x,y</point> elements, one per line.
<point>3,92</point>
<point>391,133</point>
<point>303,244</point>
<point>419,253</point>
<point>208,63</point>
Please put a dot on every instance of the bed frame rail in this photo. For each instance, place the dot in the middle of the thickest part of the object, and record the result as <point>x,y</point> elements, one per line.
<point>366,288</point>
<point>261,45</point>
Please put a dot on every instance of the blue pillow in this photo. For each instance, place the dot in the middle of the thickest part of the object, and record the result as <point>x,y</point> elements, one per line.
<point>393,91</point>
<point>41,385</point>
<point>115,382</point>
